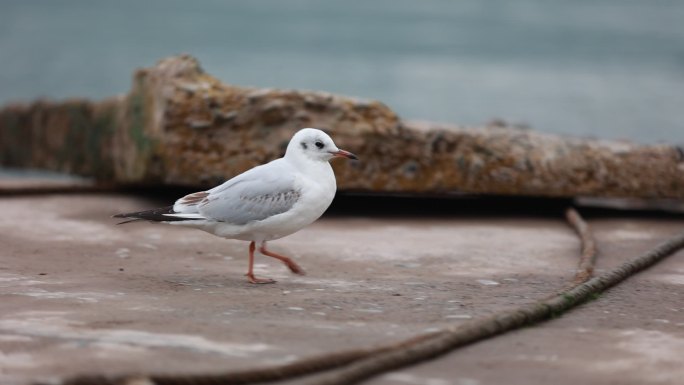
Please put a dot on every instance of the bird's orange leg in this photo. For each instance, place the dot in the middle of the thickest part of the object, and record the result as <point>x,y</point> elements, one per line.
<point>287,261</point>
<point>250,273</point>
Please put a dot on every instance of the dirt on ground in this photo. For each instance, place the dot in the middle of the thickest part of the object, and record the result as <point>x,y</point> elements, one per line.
<point>81,295</point>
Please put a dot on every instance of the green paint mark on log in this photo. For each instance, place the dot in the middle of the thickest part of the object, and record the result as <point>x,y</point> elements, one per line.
<point>99,142</point>
<point>139,144</point>
<point>72,154</point>
<point>138,119</point>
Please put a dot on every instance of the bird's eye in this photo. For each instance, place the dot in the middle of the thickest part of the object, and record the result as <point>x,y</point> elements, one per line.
<point>319,144</point>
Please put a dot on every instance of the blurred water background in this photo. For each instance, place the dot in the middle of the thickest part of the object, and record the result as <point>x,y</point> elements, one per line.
<point>606,68</point>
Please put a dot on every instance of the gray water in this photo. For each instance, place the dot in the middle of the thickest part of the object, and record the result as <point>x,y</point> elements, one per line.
<point>606,68</point>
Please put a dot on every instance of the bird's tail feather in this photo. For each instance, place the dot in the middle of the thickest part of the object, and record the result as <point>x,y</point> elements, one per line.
<point>128,221</point>
<point>154,215</point>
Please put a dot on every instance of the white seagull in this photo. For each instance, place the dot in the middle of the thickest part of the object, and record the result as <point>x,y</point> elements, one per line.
<point>264,203</point>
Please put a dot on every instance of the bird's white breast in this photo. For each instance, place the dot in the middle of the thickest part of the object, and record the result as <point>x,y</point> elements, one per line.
<point>317,188</point>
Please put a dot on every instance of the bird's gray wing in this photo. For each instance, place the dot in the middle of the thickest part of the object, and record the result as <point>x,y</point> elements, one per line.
<point>255,195</point>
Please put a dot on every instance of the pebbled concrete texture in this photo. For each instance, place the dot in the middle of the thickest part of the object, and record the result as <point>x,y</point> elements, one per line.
<point>79,294</point>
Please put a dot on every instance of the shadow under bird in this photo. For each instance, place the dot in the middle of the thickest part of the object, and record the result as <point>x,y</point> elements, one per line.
<point>264,203</point>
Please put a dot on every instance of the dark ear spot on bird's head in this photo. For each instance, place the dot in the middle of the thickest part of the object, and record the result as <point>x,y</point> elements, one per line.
<point>304,146</point>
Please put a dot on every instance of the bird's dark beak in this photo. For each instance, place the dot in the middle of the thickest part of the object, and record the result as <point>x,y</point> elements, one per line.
<point>344,154</point>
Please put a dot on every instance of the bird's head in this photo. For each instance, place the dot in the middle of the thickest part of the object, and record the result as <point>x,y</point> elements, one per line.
<point>315,144</point>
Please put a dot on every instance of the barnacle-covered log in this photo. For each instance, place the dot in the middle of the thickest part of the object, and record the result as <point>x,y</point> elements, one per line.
<point>181,126</point>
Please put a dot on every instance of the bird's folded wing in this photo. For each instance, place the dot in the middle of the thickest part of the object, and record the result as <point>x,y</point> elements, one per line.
<point>258,194</point>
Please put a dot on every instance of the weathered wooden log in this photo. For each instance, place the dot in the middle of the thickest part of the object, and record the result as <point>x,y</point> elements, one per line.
<point>179,125</point>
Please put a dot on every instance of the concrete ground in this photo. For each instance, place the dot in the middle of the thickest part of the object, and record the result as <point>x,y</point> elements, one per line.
<point>82,295</point>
